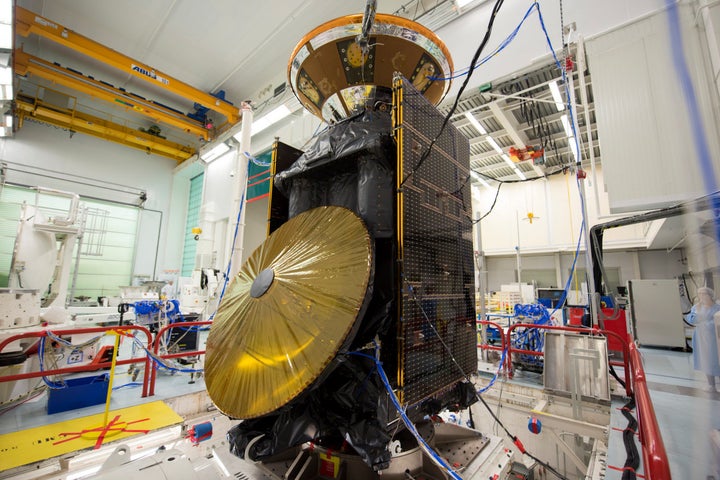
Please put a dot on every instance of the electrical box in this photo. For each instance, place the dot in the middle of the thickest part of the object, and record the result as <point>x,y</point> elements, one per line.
<point>656,312</point>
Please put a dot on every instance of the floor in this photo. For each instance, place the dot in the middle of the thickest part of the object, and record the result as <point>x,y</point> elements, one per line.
<point>125,393</point>
<point>689,417</point>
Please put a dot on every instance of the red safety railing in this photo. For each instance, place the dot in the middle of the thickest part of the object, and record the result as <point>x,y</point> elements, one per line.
<point>90,367</point>
<point>502,346</point>
<point>156,349</point>
<point>655,461</point>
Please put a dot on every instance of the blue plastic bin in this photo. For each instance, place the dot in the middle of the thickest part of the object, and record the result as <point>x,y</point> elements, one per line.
<point>79,393</point>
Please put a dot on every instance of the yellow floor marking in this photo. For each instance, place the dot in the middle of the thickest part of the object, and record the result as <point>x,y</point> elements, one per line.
<point>40,443</point>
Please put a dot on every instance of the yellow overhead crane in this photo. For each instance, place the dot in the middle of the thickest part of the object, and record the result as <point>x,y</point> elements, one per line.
<point>29,64</point>
<point>29,107</point>
<point>27,22</point>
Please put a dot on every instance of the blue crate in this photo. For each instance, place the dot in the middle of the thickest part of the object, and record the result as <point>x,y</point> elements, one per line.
<point>79,393</point>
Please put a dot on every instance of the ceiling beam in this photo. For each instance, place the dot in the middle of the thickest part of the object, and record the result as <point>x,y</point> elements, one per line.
<point>512,128</point>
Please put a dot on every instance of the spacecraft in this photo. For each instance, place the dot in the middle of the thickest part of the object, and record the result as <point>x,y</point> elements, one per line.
<point>367,265</point>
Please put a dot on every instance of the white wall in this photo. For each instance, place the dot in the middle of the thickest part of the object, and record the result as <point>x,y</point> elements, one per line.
<point>649,150</point>
<point>555,203</point>
<point>94,167</point>
<point>652,265</point>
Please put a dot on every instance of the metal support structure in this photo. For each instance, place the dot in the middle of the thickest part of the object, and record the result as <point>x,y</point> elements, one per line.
<point>593,304</point>
<point>480,278</point>
<point>236,226</point>
<point>27,22</point>
<point>76,121</point>
<point>512,128</point>
<point>586,111</point>
<point>27,64</point>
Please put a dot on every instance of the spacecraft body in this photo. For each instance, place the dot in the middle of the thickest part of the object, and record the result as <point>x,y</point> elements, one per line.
<point>368,262</point>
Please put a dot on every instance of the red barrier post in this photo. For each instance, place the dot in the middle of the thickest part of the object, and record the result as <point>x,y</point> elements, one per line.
<point>81,368</point>
<point>502,347</point>
<point>655,459</point>
<point>156,348</point>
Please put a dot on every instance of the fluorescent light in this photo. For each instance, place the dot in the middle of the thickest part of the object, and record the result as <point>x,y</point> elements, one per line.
<point>6,11</point>
<point>462,3</point>
<point>494,144</point>
<point>573,147</point>
<point>273,117</point>
<point>520,174</point>
<point>6,92</point>
<point>566,125</point>
<point>217,151</point>
<point>6,36</point>
<point>475,123</point>
<point>556,96</point>
<point>6,76</point>
<point>479,179</point>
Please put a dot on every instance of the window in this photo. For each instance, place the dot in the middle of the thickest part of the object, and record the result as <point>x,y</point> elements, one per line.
<point>106,249</point>
<point>193,220</point>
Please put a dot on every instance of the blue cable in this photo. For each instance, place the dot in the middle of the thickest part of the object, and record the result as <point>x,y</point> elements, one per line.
<point>232,249</point>
<point>507,41</point>
<point>159,363</point>
<point>497,373</point>
<point>437,459</point>
<point>497,50</point>
<point>131,384</point>
<point>699,137</point>
<point>41,360</point>
<point>256,161</point>
<point>572,272</point>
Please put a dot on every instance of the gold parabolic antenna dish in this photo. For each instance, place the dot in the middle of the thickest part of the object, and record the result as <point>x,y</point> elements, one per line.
<point>288,312</point>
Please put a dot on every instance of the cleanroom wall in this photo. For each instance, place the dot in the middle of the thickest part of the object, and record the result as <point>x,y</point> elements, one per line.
<point>40,155</point>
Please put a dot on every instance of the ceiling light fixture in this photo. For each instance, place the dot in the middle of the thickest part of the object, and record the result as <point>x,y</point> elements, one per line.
<point>508,161</point>
<point>6,11</point>
<point>271,118</point>
<point>555,91</point>
<point>478,126</point>
<point>494,144</point>
<point>515,168</point>
<point>573,147</point>
<point>216,152</point>
<point>463,3</point>
<point>475,176</point>
<point>566,125</point>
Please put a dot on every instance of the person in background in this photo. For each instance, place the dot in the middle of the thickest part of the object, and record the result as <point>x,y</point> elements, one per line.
<point>168,291</point>
<point>704,341</point>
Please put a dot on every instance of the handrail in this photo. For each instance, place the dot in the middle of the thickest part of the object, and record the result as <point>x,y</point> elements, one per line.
<point>156,349</point>
<point>594,331</point>
<point>90,367</point>
<point>655,459</point>
<point>502,339</point>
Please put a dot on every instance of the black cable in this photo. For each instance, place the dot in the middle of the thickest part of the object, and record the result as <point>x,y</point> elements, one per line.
<point>491,206</point>
<point>632,462</point>
<point>426,154</point>
<point>517,442</point>
<point>501,182</point>
<point>614,374</point>
<point>515,439</point>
